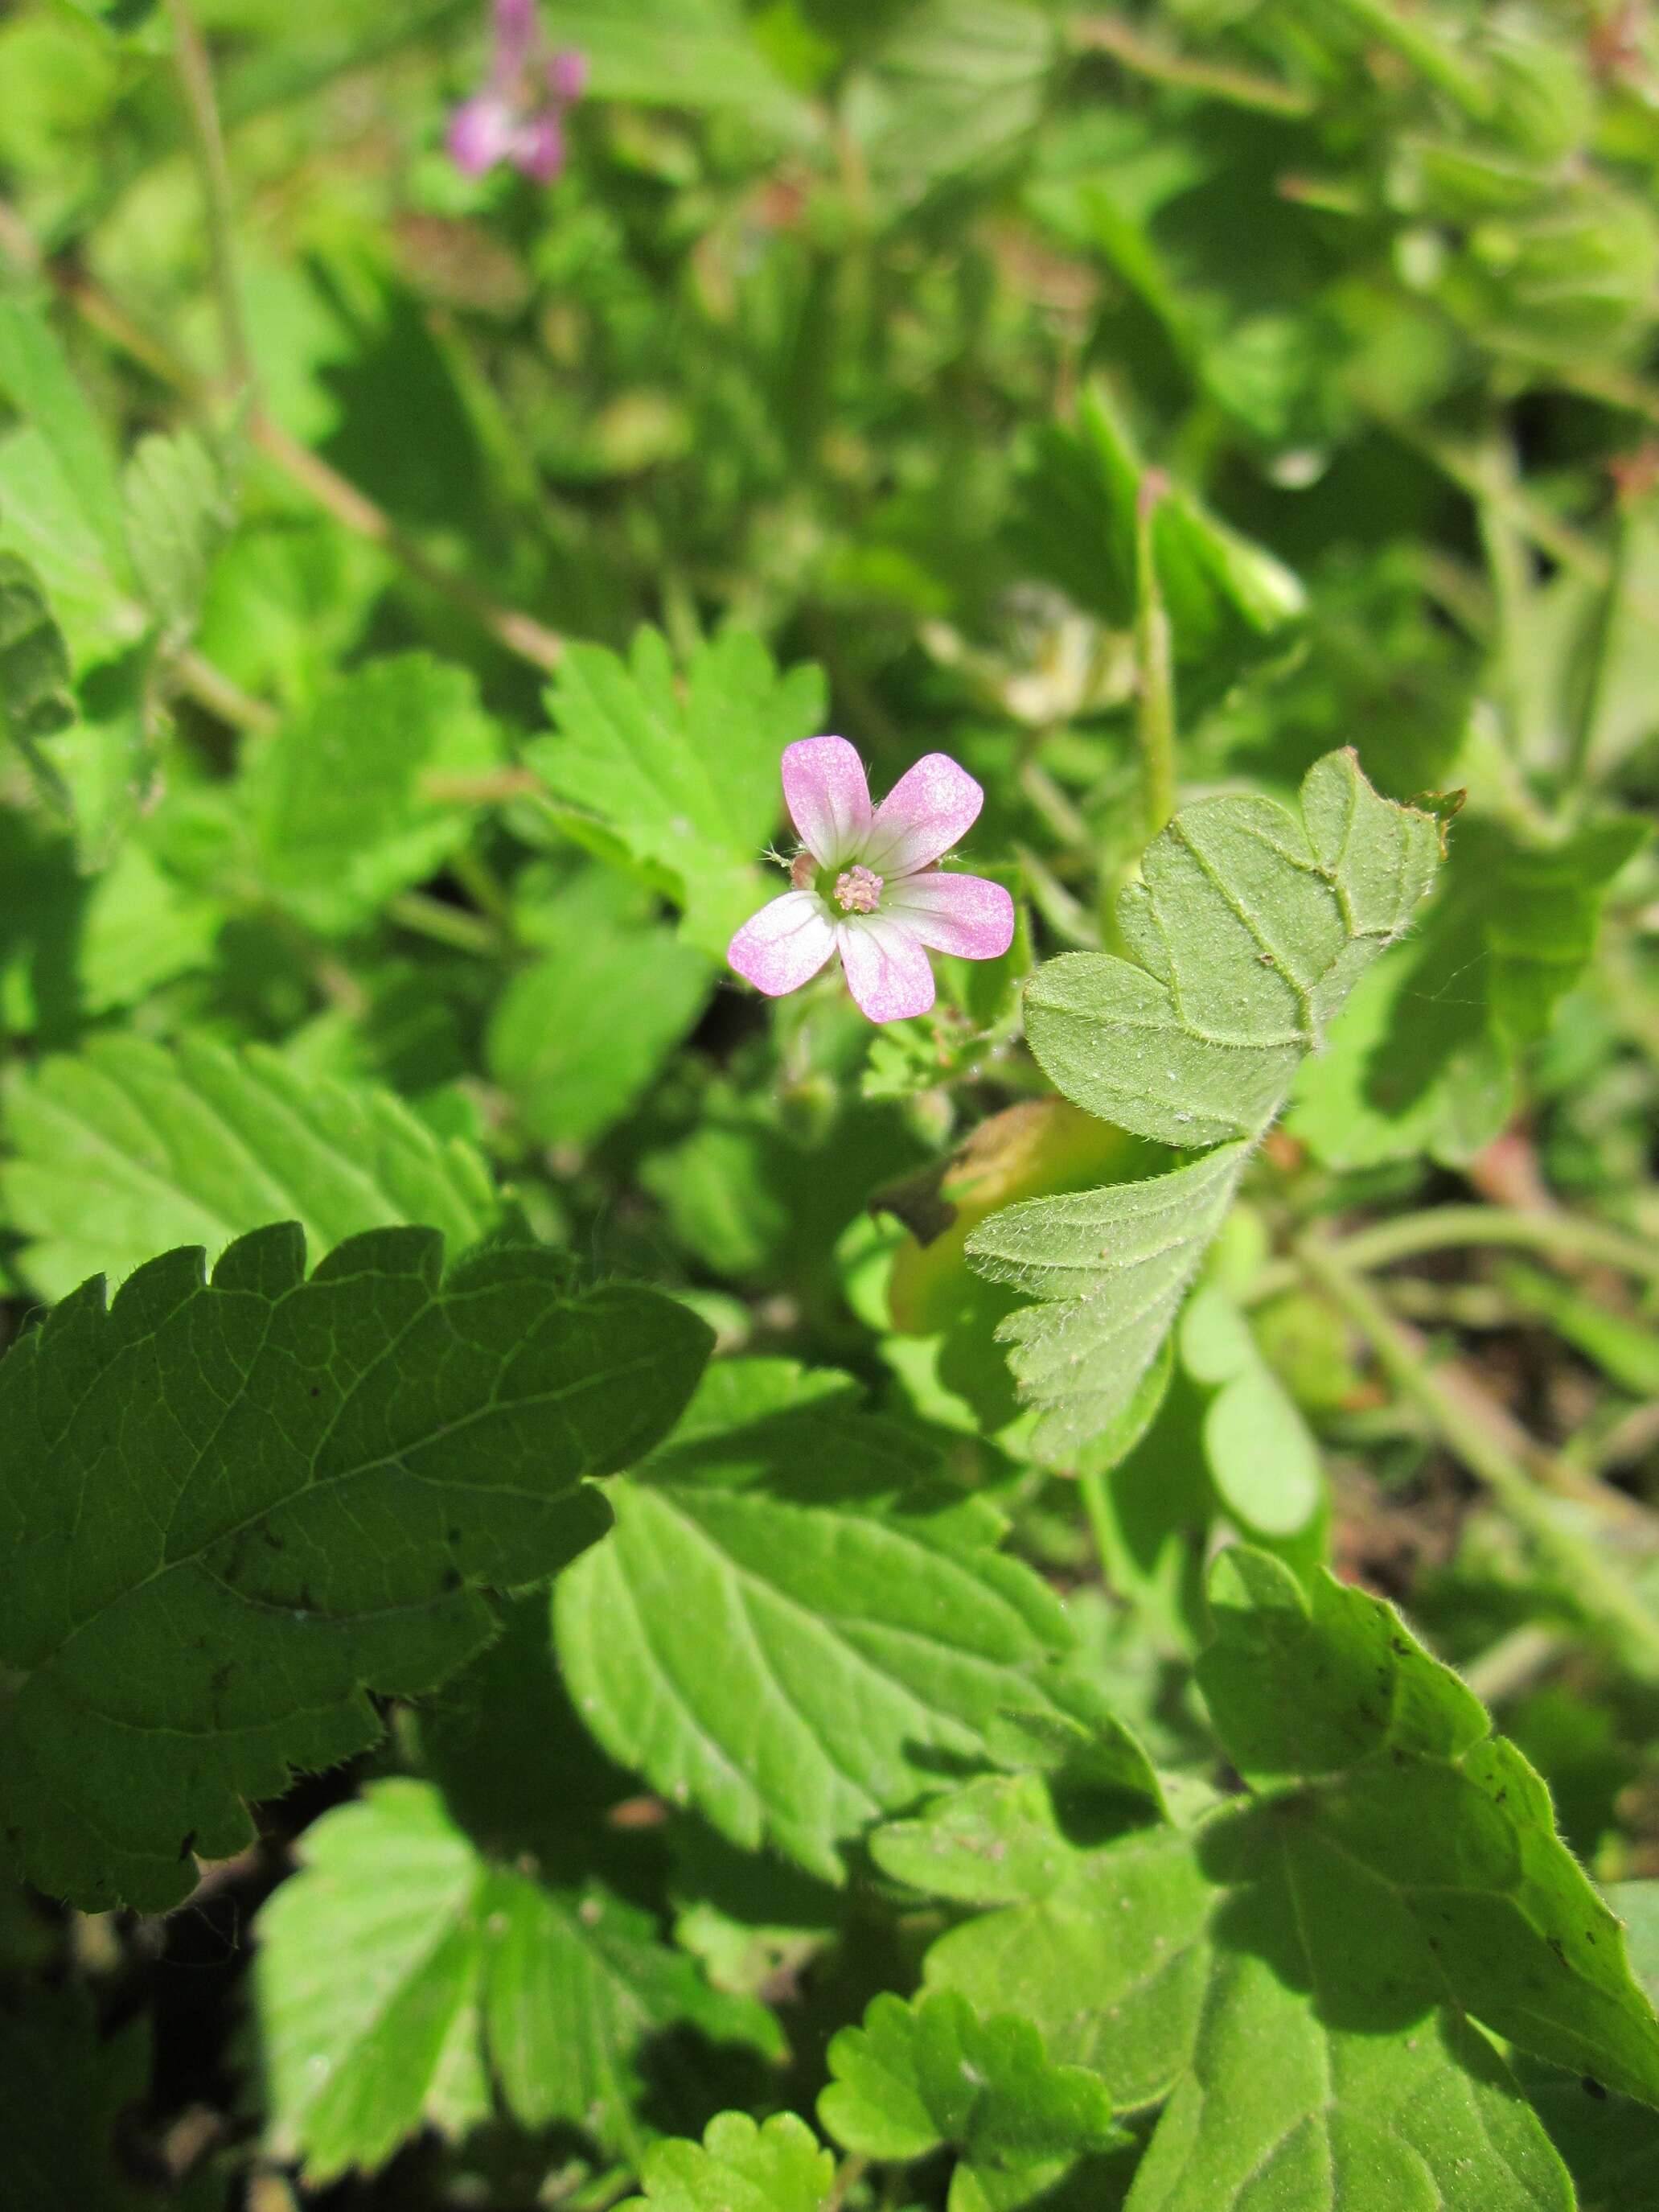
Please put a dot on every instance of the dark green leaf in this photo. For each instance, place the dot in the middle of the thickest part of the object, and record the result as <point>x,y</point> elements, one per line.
<point>230,1510</point>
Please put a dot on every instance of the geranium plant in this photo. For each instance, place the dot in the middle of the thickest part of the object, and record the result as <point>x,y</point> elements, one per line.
<point>752,1471</point>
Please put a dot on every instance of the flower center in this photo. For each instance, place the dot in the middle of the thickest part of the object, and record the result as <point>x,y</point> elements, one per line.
<point>859,891</point>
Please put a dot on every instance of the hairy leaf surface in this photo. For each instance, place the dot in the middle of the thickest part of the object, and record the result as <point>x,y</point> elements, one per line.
<point>1106,1951</point>
<point>1248,929</point>
<point>230,1510</point>
<point>1422,1843</point>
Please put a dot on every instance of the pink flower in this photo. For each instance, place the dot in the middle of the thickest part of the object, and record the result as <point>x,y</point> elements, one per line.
<point>865,885</point>
<point>519,117</point>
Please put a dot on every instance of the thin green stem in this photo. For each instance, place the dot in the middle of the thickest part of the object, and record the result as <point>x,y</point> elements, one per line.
<point>479,881</point>
<point>209,687</point>
<point>1102,1525</point>
<point>1513,1664</point>
<point>196,77</point>
<point>1155,722</point>
<point>1509,569</point>
<point>1574,1562</point>
<point>1568,1236</point>
<point>1595,663</point>
<point>1431,55</point>
<point>1148,58</point>
<point>445,924</point>
<point>1470,471</point>
<point>851,2171</point>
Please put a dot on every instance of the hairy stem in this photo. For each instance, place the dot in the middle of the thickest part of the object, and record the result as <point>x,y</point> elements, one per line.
<point>196,77</point>
<point>1242,87</point>
<point>1469,1428</point>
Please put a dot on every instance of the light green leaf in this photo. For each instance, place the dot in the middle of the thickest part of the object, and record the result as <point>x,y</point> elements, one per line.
<point>231,1510</point>
<point>127,1148</point>
<point>342,811</point>
<point>41,520</point>
<point>1282,2109</point>
<point>1540,925</point>
<point>1251,928</point>
<point>73,946</point>
<point>366,1983</point>
<point>1443,1830</point>
<point>682,53</point>
<point>108,759</point>
<point>398,1972</point>
<point>785,1631</point>
<point>957,88</point>
<point>1112,1266</point>
<point>1296,1968</point>
<point>578,1036</point>
<point>1104,1949</point>
<point>175,513</point>
<point>1610,2144</point>
<point>685,779</point>
<point>35,376</point>
<point>739,2166</point>
<point>1260,1453</point>
<point>916,2076</point>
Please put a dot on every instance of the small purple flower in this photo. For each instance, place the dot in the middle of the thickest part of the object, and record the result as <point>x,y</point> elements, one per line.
<point>864,883</point>
<point>519,117</point>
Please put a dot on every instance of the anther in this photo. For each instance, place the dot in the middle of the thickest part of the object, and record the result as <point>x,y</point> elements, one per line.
<point>859,891</point>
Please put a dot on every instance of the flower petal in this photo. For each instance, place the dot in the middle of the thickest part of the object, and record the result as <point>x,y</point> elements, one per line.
<point>828,798</point>
<point>480,133</point>
<point>930,806</point>
<point>538,147</point>
<point>516,33</point>
<point>785,944</point>
<point>967,916</point>
<point>887,970</point>
<point>567,74</point>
